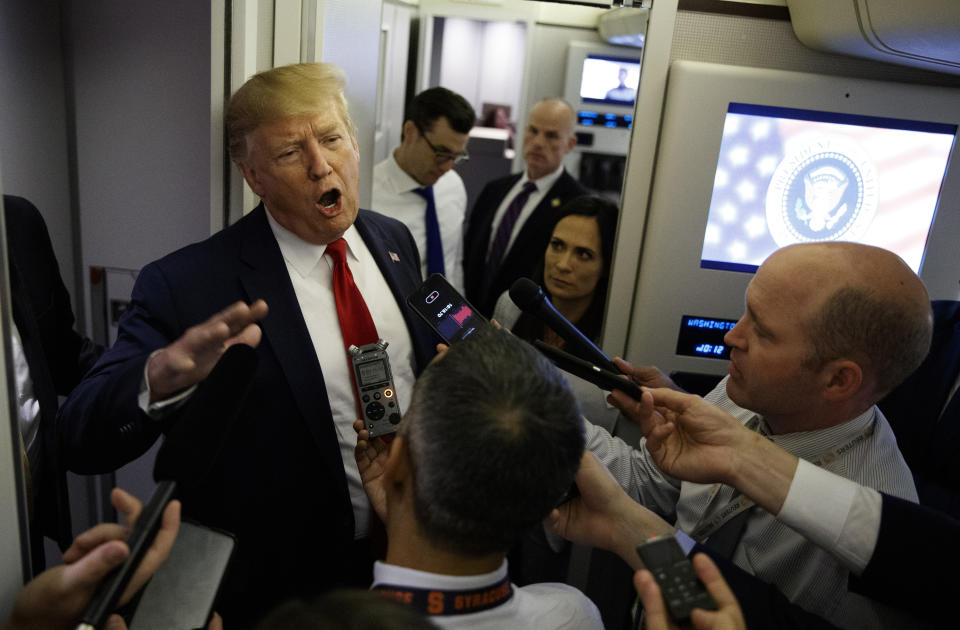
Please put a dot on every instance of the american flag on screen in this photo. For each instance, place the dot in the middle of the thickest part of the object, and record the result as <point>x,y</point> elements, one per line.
<point>786,176</point>
<point>737,230</point>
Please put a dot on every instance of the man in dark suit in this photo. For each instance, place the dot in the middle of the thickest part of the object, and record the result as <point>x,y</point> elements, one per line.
<point>50,358</point>
<point>924,412</point>
<point>285,481</point>
<point>509,226</point>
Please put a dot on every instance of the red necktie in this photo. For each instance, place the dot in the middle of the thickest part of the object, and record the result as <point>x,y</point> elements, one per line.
<point>356,324</point>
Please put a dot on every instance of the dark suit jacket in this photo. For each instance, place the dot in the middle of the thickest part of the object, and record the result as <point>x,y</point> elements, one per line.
<point>762,604</point>
<point>56,355</point>
<point>913,567</point>
<point>930,444</point>
<point>278,482</point>
<point>526,253</point>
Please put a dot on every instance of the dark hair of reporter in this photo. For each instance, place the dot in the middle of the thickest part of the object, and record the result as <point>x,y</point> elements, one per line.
<point>605,213</point>
<point>495,439</point>
<point>345,609</point>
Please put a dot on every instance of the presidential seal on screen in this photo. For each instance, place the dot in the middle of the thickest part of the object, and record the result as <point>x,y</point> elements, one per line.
<point>824,189</point>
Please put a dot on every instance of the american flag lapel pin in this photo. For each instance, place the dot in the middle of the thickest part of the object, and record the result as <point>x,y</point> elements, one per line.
<point>394,257</point>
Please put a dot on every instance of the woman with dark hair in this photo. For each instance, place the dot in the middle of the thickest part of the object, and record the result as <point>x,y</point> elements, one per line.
<point>574,272</point>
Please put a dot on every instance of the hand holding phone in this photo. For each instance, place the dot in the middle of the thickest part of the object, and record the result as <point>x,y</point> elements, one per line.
<point>445,310</point>
<point>680,586</point>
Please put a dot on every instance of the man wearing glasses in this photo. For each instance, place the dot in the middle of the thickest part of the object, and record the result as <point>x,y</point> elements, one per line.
<point>511,221</point>
<point>418,186</point>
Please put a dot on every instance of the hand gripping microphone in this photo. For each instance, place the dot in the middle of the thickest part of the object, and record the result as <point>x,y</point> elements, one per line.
<point>530,299</point>
<point>187,454</point>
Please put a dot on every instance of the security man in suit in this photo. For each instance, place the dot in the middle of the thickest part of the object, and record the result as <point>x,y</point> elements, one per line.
<point>509,225</point>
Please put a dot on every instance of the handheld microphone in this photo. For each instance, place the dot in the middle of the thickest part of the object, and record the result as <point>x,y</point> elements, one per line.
<point>187,454</point>
<point>530,299</point>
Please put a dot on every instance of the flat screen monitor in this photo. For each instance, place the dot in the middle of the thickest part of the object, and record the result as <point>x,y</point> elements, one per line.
<point>718,158</point>
<point>787,175</point>
<point>609,80</point>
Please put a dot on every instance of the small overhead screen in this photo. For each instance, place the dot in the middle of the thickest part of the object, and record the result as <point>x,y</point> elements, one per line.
<point>787,175</point>
<point>609,80</point>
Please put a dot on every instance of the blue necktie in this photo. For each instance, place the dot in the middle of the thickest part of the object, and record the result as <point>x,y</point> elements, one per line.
<point>434,245</point>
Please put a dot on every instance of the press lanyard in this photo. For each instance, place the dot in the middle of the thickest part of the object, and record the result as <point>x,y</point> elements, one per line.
<point>435,601</point>
<point>707,525</point>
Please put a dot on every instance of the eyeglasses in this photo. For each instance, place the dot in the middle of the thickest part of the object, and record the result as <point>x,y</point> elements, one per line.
<point>441,156</point>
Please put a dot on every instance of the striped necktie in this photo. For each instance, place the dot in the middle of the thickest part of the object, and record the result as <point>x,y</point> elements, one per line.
<point>499,246</point>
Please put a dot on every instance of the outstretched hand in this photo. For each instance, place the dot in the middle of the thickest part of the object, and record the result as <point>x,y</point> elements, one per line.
<point>371,456</point>
<point>189,359</point>
<point>641,411</point>
<point>689,438</point>
<point>57,597</point>
<point>604,516</point>
<point>728,615</point>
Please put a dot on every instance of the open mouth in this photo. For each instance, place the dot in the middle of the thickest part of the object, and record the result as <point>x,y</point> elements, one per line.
<point>329,199</point>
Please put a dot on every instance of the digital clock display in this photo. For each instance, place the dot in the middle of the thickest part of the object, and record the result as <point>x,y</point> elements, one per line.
<point>703,337</point>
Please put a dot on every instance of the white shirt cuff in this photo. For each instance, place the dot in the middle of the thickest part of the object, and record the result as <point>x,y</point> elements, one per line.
<point>837,514</point>
<point>162,408</point>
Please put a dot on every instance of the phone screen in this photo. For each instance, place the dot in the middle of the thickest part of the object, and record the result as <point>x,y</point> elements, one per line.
<point>445,310</point>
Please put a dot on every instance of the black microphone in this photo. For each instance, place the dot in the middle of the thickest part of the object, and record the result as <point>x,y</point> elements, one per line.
<point>187,454</point>
<point>530,299</point>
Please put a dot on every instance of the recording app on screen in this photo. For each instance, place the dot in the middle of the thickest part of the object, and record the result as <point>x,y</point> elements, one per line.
<point>789,176</point>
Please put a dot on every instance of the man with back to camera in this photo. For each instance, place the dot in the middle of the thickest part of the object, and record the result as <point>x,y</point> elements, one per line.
<point>829,328</point>
<point>490,443</point>
<point>285,481</point>
<point>417,183</point>
<point>509,225</point>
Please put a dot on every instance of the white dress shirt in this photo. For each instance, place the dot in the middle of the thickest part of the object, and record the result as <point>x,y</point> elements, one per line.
<point>545,606</point>
<point>393,196</point>
<point>837,514</point>
<point>28,407</point>
<point>544,184</point>
<point>312,276</point>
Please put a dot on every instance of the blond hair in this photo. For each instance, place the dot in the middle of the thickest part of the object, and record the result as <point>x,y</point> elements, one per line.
<point>294,90</point>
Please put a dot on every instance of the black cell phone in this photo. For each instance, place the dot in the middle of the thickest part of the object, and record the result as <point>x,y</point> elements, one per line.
<point>604,379</point>
<point>374,381</point>
<point>141,535</point>
<point>680,587</point>
<point>445,310</point>
<point>181,593</point>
